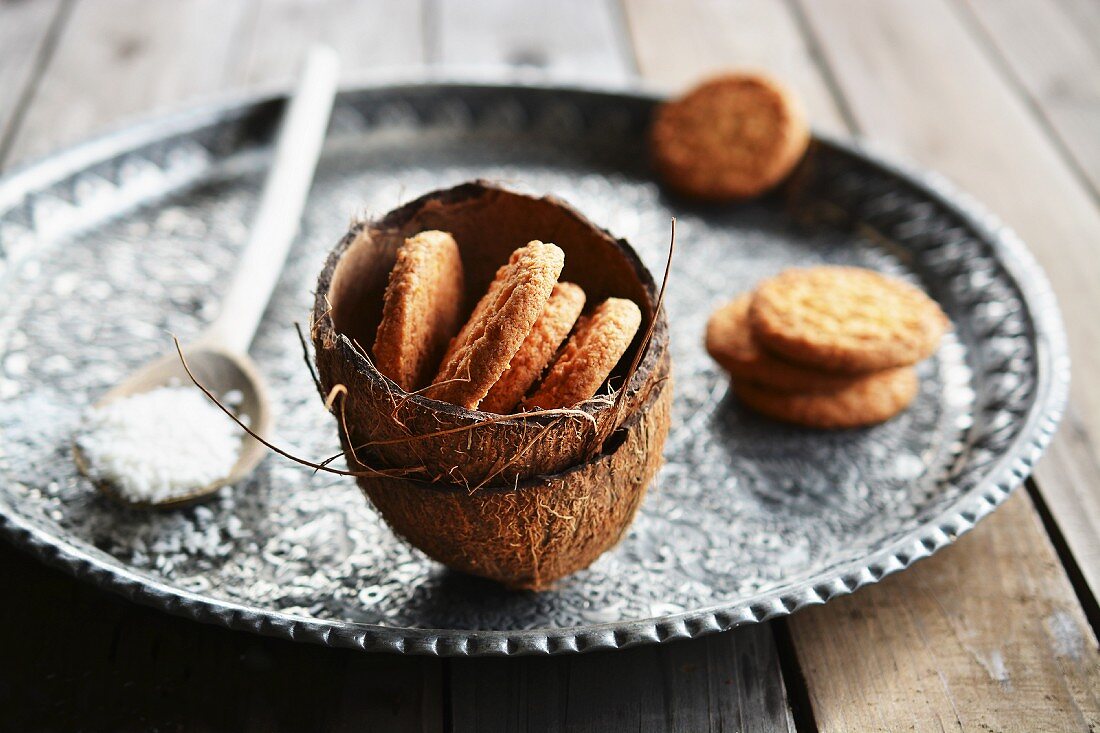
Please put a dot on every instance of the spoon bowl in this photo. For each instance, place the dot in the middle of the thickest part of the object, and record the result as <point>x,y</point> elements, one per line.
<point>220,371</point>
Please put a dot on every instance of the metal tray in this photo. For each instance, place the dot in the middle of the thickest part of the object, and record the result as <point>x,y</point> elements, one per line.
<point>107,247</point>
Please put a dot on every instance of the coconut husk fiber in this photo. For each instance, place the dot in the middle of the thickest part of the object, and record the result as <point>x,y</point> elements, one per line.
<point>433,441</point>
<point>529,535</point>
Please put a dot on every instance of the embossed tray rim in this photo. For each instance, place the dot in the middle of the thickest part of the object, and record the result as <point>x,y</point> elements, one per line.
<point>1052,386</point>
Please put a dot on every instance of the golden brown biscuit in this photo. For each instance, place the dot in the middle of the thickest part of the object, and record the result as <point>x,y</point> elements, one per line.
<point>421,310</point>
<point>585,362</point>
<point>730,342</point>
<point>871,399</point>
<point>845,319</point>
<point>732,137</point>
<point>538,349</point>
<point>481,351</point>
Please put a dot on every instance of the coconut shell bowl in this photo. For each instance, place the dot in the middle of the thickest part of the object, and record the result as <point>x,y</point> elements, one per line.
<point>522,499</point>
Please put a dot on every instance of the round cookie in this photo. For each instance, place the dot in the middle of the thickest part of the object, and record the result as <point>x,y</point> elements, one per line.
<point>845,319</point>
<point>421,309</point>
<point>504,316</point>
<point>871,399</point>
<point>732,137</point>
<point>585,362</point>
<point>730,342</point>
<point>538,349</point>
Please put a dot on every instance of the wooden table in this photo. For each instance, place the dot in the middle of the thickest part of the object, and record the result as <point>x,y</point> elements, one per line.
<point>996,633</point>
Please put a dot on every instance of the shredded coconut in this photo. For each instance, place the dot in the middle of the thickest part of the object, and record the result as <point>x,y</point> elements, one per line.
<point>160,444</point>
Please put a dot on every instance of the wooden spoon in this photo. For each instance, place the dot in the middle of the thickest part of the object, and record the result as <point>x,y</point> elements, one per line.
<point>218,356</point>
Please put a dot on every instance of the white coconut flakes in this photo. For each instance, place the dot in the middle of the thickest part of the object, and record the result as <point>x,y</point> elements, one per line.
<point>159,445</point>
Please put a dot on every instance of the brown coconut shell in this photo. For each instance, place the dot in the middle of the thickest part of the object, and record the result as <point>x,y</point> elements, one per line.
<point>429,440</point>
<point>533,533</point>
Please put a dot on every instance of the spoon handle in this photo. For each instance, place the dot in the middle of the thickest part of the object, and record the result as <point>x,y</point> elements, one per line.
<point>297,149</point>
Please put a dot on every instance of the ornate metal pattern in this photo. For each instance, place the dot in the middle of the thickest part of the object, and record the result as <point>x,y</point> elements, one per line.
<point>106,247</point>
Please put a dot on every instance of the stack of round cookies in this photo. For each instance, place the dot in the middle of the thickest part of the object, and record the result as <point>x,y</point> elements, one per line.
<point>826,347</point>
<point>512,337</point>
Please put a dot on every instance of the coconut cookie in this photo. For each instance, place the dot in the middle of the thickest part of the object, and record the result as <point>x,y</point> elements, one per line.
<point>869,400</point>
<point>504,316</point>
<point>538,349</point>
<point>421,310</point>
<point>585,362</point>
<point>733,137</point>
<point>845,319</point>
<point>730,342</point>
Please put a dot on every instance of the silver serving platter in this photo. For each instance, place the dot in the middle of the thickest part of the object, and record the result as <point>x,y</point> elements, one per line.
<point>109,246</point>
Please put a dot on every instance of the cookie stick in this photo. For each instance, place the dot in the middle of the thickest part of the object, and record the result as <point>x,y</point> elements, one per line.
<point>585,362</point>
<point>538,349</point>
<point>503,317</point>
<point>421,309</point>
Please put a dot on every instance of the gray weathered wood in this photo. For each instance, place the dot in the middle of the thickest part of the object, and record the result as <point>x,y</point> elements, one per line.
<point>918,82</point>
<point>730,682</point>
<point>369,36</point>
<point>985,636</point>
<point>118,58</point>
<point>1085,15</point>
<point>25,28</point>
<point>569,39</point>
<point>1057,62</point>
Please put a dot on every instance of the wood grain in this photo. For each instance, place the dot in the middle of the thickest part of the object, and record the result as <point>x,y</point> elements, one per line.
<point>118,58</point>
<point>25,27</point>
<point>1085,15</point>
<point>729,682</point>
<point>81,659</point>
<point>567,39</point>
<point>983,636</point>
<point>1057,63</point>
<point>917,82</point>
<point>369,36</point>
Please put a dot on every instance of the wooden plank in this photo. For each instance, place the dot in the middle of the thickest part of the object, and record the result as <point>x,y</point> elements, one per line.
<point>368,36</point>
<point>917,82</point>
<point>568,39</point>
<point>983,636</point>
<point>25,29</point>
<point>1058,64</point>
<point>1085,15</point>
<point>709,36</point>
<point>118,58</point>
<point>76,658</point>
<point>721,683</point>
